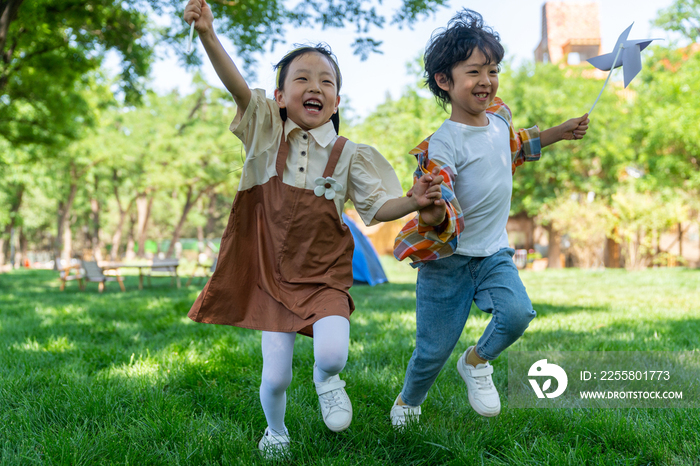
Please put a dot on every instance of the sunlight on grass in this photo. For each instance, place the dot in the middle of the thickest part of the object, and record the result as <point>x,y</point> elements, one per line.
<point>139,368</point>
<point>52,315</point>
<point>59,344</point>
<point>29,345</point>
<point>125,378</point>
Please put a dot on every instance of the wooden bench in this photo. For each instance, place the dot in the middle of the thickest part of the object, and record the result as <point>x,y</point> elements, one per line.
<point>93,273</point>
<point>164,267</point>
<point>65,275</point>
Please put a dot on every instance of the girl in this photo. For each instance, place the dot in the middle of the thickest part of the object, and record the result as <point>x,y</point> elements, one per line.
<point>285,263</point>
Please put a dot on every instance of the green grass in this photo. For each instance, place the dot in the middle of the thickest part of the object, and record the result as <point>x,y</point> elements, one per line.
<point>127,378</point>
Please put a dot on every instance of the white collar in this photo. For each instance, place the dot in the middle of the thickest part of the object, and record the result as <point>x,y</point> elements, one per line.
<point>323,135</point>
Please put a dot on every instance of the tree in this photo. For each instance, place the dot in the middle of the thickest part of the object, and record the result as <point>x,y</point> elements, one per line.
<point>47,47</point>
<point>547,95</point>
<point>683,17</point>
<point>667,133</point>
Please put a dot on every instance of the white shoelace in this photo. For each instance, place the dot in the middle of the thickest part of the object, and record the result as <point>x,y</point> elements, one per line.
<point>332,399</point>
<point>484,383</point>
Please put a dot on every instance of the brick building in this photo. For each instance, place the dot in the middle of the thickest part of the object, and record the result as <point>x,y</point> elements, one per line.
<point>569,28</point>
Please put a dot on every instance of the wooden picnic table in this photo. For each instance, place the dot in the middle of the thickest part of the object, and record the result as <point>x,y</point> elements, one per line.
<point>159,265</point>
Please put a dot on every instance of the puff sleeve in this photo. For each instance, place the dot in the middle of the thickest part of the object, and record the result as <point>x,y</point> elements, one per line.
<point>371,182</point>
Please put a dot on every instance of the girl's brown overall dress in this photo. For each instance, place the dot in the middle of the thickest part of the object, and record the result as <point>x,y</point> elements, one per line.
<point>285,259</point>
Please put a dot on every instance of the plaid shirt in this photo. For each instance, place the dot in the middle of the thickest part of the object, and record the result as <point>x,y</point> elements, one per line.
<point>422,242</point>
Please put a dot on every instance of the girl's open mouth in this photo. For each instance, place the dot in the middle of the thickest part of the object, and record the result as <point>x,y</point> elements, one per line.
<point>313,106</point>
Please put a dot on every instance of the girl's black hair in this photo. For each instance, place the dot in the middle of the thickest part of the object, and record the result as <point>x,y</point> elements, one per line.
<point>283,66</point>
<point>449,46</point>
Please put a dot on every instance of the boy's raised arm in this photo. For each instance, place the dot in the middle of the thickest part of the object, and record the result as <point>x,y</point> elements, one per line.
<point>575,128</point>
<point>199,12</point>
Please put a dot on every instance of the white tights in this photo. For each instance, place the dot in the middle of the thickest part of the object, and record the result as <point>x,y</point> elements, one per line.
<point>331,340</point>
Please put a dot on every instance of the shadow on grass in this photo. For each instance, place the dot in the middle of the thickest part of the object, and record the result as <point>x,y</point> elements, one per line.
<point>628,335</point>
<point>130,370</point>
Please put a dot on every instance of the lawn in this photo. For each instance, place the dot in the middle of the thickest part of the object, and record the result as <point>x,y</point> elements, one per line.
<point>127,378</point>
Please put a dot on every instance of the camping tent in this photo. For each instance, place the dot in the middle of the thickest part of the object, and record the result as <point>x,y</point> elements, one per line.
<point>366,267</point>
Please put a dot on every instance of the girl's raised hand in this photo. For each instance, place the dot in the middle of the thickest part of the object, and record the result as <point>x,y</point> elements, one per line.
<point>426,191</point>
<point>199,12</point>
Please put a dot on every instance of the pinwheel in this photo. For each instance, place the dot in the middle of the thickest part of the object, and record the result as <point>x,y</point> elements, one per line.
<point>627,54</point>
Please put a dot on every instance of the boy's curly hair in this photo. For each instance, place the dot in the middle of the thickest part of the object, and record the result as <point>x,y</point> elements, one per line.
<point>449,46</point>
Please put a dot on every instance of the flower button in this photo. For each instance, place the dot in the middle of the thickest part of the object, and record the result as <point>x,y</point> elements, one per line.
<point>327,187</point>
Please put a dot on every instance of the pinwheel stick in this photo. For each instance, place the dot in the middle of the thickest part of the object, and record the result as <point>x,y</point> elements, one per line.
<point>619,49</point>
<point>189,43</point>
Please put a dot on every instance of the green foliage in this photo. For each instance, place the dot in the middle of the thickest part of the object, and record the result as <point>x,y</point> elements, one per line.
<point>586,223</point>
<point>547,95</point>
<point>255,25</point>
<point>50,47</point>
<point>665,120</point>
<point>683,17</point>
<point>639,217</point>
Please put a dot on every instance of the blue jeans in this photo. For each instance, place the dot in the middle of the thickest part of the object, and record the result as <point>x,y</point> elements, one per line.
<point>444,293</point>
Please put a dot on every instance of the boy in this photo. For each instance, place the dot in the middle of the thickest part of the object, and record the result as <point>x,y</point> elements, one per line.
<point>467,257</point>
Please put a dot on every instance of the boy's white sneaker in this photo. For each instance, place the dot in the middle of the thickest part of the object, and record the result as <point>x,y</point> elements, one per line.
<point>336,408</point>
<point>483,395</point>
<point>273,446</point>
<point>403,414</point>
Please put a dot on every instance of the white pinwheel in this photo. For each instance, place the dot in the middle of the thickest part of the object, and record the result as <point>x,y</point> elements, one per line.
<point>627,54</point>
<point>327,187</point>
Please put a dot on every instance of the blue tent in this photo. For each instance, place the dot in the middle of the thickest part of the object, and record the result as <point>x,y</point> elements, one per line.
<point>366,267</point>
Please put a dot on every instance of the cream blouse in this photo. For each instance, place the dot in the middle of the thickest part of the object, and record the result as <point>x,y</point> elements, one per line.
<point>366,176</point>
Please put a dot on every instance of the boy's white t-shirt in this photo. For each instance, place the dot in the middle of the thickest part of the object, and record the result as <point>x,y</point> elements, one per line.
<point>480,158</point>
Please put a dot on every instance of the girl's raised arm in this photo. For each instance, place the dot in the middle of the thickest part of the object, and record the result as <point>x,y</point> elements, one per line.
<point>199,12</point>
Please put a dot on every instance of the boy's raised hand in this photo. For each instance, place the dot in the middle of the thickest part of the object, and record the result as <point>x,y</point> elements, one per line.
<point>575,128</point>
<point>199,12</point>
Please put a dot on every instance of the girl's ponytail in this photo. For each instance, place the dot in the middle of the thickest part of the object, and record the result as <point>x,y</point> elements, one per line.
<point>335,118</point>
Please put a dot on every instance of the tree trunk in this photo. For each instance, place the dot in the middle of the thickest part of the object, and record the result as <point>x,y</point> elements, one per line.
<point>67,251</point>
<point>13,249</point>
<point>117,236</point>
<point>554,255</point>
<point>14,210</point>
<point>63,229</point>
<point>96,244</point>
<point>129,254</point>
<point>189,202</point>
<point>123,212</point>
<point>612,253</point>
<point>212,218</point>
<point>143,207</point>
<point>530,233</point>
<point>23,258</point>
<point>8,13</point>
<point>680,240</point>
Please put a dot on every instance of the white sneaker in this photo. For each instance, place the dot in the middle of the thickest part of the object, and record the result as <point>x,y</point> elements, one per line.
<point>336,408</point>
<point>403,414</point>
<point>483,395</point>
<point>273,446</point>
